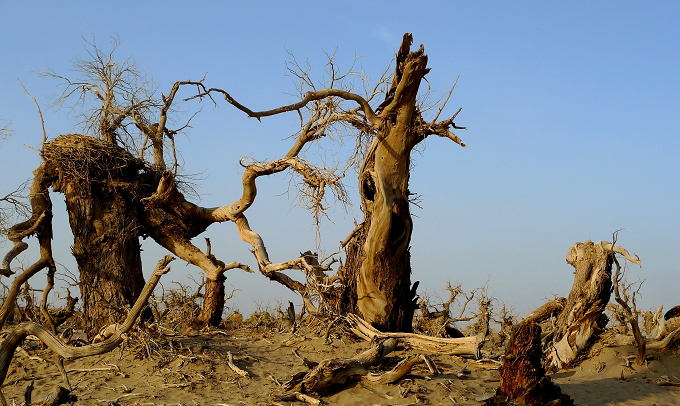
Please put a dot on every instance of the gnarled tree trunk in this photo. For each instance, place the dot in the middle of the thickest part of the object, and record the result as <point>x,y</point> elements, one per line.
<point>378,268</point>
<point>583,315</point>
<point>99,181</point>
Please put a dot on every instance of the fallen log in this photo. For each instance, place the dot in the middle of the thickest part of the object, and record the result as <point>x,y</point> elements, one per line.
<point>339,371</point>
<point>454,346</point>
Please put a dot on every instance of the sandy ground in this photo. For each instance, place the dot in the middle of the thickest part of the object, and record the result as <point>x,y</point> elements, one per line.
<point>194,371</point>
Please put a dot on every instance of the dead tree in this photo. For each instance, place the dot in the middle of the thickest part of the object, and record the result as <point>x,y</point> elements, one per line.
<point>376,277</point>
<point>378,268</point>
<point>118,188</point>
<point>630,313</point>
<point>583,316</point>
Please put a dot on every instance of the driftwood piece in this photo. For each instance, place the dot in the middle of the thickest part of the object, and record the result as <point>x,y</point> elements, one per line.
<point>60,396</point>
<point>620,340</point>
<point>664,324</point>
<point>398,372</point>
<point>523,379</point>
<point>661,344</point>
<point>297,396</point>
<point>230,362</point>
<point>17,336</point>
<point>454,346</point>
<point>339,371</point>
<point>330,372</point>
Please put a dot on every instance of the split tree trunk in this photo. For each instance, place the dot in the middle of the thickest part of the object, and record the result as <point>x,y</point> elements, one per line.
<point>377,272</point>
<point>583,317</point>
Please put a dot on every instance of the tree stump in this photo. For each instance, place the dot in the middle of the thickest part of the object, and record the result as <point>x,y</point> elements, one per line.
<point>523,379</point>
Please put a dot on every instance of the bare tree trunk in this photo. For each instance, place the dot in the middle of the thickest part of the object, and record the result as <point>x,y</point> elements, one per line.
<point>378,269</point>
<point>98,181</point>
<point>213,302</point>
<point>111,280</point>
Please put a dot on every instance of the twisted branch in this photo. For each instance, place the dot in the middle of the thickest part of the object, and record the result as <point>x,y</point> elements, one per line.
<point>16,337</point>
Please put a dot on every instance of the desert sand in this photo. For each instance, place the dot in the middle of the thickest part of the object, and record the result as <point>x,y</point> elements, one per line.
<point>192,370</point>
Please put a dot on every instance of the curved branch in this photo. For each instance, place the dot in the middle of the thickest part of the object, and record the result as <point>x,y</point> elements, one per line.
<point>271,270</point>
<point>10,300</point>
<point>231,212</point>
<point>622,251</point>
<point>16,337</point>
<point>308,97</point>
<point>40,224</point>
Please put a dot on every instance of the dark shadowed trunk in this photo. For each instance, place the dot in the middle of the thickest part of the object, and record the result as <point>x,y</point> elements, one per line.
<point>523,378</point>
<point>106,248</point>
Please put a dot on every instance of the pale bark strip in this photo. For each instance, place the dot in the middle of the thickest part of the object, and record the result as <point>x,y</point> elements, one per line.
<point>230,362</point>
<point>455,346</point>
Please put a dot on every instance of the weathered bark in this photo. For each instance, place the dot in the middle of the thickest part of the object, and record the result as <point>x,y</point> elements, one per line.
<point>455,346</point>
<point>213,301</point>
<point>377,272</point>
<point>523,379</point>
<point>100,182</point>
<point>546,311</point>
<point>583,316</point>
<point>110,280</point>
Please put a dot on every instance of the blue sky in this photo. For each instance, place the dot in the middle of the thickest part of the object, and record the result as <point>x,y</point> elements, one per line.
<point>571,109</point>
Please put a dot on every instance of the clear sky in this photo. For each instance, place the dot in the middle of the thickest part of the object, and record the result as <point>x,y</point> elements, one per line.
<point>571,109</point>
